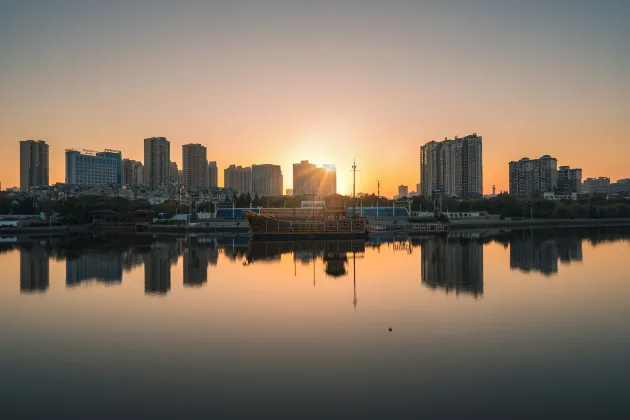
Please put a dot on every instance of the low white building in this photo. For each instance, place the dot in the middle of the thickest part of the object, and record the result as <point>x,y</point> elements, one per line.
<point>554,196</point>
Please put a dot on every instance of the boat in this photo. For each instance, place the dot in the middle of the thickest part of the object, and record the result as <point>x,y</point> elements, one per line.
<point>330,224</point>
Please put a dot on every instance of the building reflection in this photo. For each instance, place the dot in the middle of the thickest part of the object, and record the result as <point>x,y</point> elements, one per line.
<point>34,269</point>
<point>196,263</point>
<point>157,270</point>
<point>105,267</point>
<point>531,251</point>
<point>453,265</point>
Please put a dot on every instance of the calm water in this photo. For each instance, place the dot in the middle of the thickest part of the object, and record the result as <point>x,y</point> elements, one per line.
<point>528,324</point>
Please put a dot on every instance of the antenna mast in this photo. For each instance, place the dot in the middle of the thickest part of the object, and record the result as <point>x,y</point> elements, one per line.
<point>378,194</point>
<point>354,184</point>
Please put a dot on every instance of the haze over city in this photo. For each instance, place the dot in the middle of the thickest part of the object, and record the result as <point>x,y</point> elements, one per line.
<point>280,82</point>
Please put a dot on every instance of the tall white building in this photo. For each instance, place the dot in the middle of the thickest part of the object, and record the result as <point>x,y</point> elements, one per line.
<point>213,174</point>
<point>454,167</point>
<point>93,168</point>
<point>195,172</point>
<point>267,179</point>
<point>157,159</point>
<point>238,178</point>
<point>33,164</point>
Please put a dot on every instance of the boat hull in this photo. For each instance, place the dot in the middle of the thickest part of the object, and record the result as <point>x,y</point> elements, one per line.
<point>306,236</point>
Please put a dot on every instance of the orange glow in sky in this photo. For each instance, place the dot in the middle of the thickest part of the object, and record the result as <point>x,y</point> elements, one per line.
<point>325,81</point>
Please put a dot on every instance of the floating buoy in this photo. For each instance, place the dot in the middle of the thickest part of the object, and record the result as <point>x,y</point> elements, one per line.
<point>390,328</point>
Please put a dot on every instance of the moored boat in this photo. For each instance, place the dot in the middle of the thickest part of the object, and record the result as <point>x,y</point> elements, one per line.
<point>331,224</point>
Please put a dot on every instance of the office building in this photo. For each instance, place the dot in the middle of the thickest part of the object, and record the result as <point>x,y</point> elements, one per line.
<point>403,191</point>
<point>33,164</point>
<point>309,179</point>
<point>90,168</point>
<point>267,180</point>
<point>157,160</point>
<point>132,172</point>
<point>453,167</point>
<point>530,178</point>
<point>238,178</point>
<point>195,172</point>
<point>569,180</point>
<point>213,174</point>
<point>595,185</point>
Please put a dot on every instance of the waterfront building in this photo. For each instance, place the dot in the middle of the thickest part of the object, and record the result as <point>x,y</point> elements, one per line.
<point>213,174</point>
<point>195,172</point>
<point>530,178</point>
<point>403,191</point>
<point>90,168</point>
<point>267,180</point>
<point>33,164</point>
<point>595,185</point>
<point>132,172</point>
<point>157,160</point>
<point>309,179</point>
<point>569,180</point>
<point>238,179</point>
<point>454,167</point>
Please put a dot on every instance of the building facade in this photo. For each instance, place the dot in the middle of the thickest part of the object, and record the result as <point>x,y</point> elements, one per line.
<point>173,173</point>
<point>267,180</point>
<point>403,191</point>
<point>195,172</point>
<point>34,162</point>
<point>530,178</point>
<point>309,179</point>
<point>93,168</point>
<point>569,180</point>
<point>238,178</point>
<point>213,174</point>
<point>453,167</point>
<point>157,160</point>
<point>132,172</point>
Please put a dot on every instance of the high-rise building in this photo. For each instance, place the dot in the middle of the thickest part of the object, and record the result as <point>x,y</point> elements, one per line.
<point>593,185</point>
<point>267,179</point>
<point>194,157</point>
<point>454,167</point>
<point>93,168</point>
<point>33,164</point>
<point>132,172</point>
<point>309,179</point>
<point>157,160</point>
<point>531,178</point>
<point>403,191</point>
<point>328,185</point>
<point>569,180</point>
<point>173,173</point>
<point>238,178</point>
<point>213,174</point>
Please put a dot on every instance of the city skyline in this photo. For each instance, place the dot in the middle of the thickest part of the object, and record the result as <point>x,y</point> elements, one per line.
<point>261,82</point>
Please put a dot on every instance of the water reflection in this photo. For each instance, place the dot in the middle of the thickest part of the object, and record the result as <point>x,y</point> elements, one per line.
<point>34,270</point>
<point>449,263</point>
<point>453,265</point>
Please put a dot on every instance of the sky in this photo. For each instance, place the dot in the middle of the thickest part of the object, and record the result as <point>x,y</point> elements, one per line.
<point>328,81</point>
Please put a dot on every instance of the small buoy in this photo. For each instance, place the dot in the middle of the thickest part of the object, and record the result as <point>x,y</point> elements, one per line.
<point>390,328</point>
